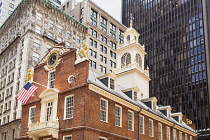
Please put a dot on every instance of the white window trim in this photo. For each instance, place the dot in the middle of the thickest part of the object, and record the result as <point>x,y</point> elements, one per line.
<point>65,108</point>
<point>169,132</point>
<point>180,135</point>
<point>52,111</point>
<point>49,95</point>
<point>132,120</point>
<point>142,124</point>
<point>120,115</point>
<point>29,117</point>
<point>103,138</point>
<point>48,84</point>
<point>161,130</point>
<point>174,134</point>
<point>106,109</point>
<point>186,137</point>
<point>152,128</point>
<point>67,136</point>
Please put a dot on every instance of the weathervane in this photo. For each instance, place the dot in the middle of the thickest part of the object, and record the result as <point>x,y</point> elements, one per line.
<point>131,21</point>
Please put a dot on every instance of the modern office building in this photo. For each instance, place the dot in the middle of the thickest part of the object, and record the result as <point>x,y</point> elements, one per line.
<point>25,38</point>
<point>83,105</point>
<point>104,33</point>
<point>176,36</point>
<point>8,6</point>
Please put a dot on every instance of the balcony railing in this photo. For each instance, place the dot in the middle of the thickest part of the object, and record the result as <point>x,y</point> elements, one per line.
<point>42,129</point>
<point>43,125</point>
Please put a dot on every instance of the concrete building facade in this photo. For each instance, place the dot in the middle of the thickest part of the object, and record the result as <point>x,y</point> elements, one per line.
<point>104,33</point>
<point>8,6</point>
<point>33,28</point>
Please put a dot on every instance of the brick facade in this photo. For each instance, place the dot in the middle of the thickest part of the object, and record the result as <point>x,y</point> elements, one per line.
<point>86,124</point>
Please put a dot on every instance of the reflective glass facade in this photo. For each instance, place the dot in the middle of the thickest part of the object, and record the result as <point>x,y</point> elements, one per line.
<point>176,37</point>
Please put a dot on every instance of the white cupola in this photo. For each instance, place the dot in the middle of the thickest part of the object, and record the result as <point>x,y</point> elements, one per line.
<point>130,70</point>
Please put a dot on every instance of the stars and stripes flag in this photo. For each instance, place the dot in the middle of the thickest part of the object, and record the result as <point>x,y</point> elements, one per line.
<point>26,92</point>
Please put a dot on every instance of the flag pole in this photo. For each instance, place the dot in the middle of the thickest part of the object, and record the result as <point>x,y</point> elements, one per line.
<point>39,84</point>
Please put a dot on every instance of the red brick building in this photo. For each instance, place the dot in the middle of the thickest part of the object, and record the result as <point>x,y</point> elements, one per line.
<point>79,104</point>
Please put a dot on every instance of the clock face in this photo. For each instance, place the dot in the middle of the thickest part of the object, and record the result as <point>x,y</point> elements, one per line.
<point>52,59</point>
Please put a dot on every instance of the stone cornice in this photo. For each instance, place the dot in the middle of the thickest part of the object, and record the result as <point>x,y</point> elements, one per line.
<point>42,3</point>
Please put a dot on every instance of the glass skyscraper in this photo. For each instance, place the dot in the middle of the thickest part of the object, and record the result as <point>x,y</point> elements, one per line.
<point>176,37</point>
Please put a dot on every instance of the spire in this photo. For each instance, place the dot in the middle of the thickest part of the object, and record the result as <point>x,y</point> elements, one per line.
<point>131,21</point>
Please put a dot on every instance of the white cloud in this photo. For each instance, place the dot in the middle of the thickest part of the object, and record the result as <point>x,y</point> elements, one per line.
<point>112,7</point>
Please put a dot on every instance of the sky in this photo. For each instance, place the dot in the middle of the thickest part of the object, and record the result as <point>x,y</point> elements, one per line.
<point>112,7</point>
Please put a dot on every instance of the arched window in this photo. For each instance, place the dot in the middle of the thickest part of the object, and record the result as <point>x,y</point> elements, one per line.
<point>139,60</point>
<point>125,60</point>
<point>128,38</point>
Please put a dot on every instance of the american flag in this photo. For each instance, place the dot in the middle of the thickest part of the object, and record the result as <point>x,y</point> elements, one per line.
<point>26,92</point>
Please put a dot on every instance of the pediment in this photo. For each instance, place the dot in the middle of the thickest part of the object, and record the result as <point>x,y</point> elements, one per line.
<point>59,50</point>
<point>48,93</point>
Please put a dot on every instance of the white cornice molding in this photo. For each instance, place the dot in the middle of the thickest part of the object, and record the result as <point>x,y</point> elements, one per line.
<point>113,97</point>
<point>138,109</point>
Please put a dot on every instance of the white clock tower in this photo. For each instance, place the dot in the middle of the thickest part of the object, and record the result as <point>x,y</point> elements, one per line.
<point>130,70</point>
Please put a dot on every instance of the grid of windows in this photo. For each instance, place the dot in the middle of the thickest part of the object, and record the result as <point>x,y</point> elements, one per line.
<point>92,64</point>
<point>68,34</point>
<point>51,23</point>
<point>139,60</point>
<point>49,107</point>
<point>103,59</point>
<point>104,110</point>
<point>51,79</point>
<point>50,35</point>
<point>103,39</point>
<point>92,53</point>
<point>60,29</point>
<point>113,54</point>
<point>112,30</point>
<point>130,120</point>
<point>37,43</point>
<point>93,32</point>
<point>35,57</point>
<point>68,137</point>
<point>160,135</point>
<point>141,124</point>
<point>93,17</point>
<point>103,49</point>
<point>118,115</point>
<point>177,58</point>
<point>102,69</point>
<point>112,64</point>
<point>93,43</point>
<point>11,5</point>
<point>69,104</point>
<point>39,16</point>
<point>38,29</point>
<point>113,45</point>
<point>102,138</point>
<point>151,131</point>
<point>125,60</point>
<point>112,85</point>
<point>103,26</point>
<point>121,37</point>
<point>32,114</point>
